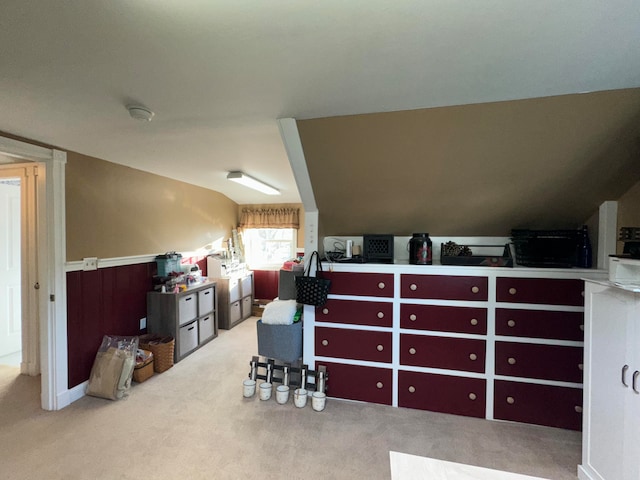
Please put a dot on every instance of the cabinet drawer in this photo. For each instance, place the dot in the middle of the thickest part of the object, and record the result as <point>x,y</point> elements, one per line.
<point>206,301</point>
<point>550,291</point>
<point>442,393</point>
<point>366,284</point>
<point>355,382</point>
<point>353,344</point>
<point>443,318</point>
<point>187,308</point>
<point>444,287</point>
<point>540,324</point>
<point>538,404</point>
<point>546,362</point>
<point>441,352</point>
<point>379,314</point>
<point>206,328</point>
<point>188,338</point>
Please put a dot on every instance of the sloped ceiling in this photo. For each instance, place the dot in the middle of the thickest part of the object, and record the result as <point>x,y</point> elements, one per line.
<point>219,73</point>
<point>476,169</point>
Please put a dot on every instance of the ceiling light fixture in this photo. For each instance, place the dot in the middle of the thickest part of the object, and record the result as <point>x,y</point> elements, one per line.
<point>140,113</point>
<point>247,181</point>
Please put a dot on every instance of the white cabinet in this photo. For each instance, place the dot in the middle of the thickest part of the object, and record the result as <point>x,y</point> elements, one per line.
<point>235,295</point>
<point>611,429</point>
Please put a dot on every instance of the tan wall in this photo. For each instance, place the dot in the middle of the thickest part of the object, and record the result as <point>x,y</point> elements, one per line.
<point>478,169</point>
<point>116,211</point>
<point>300,242</point>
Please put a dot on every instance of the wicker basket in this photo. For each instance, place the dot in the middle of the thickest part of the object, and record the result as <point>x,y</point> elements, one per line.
<point>162,349</point>
<point>144,370</point>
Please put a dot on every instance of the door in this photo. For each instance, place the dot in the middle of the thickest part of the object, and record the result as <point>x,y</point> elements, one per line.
<point>606,337</point>
<point>10,272</point>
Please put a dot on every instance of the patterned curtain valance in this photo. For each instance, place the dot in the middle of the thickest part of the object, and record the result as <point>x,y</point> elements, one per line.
<point>269,218</point>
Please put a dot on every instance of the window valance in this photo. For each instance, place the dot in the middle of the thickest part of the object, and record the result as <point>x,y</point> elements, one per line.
<point>269,218</point>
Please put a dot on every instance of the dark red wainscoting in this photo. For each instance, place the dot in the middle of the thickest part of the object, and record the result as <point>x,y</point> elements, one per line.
<point>265,284</point>
<point>108,301</point>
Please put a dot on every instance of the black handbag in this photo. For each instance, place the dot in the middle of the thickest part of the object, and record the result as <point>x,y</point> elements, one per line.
<point>312,290</point>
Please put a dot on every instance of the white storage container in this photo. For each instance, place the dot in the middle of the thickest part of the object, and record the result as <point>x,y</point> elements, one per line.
<point>234,289</point>
<point>246,307</point>
<point>206,301</point>
<point>206,327</point>
<point>187,308</point>
<point>188,337</point>
<point>234,312</point>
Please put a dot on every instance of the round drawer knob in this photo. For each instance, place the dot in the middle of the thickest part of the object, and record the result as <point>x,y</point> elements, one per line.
<point>511,400</point>
<point>413,317</point>
<point>473,356</point>
<point>472,396</point>
<point>412,389</point>
<point>578,409</point>
<point>381,285</point>
<point>582,328</point>
<point>511,323</point>
<point>582,293</point>
<point>474,321</point>
<point>475,289</point>
<point>325,310</point>
<point>412,351</point>
<point>511,361</point>
<point>380,348</point>
<point>512,291</point>
<point>379,384</point>
<point>380,315</point>
<point>325,343</point>
<point>413,287</point>
<point>580,366</point>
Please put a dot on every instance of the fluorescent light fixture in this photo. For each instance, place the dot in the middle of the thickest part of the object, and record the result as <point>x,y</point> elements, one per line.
<point>247,181</point>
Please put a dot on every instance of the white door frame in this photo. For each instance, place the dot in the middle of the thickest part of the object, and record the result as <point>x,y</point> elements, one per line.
<point>47,279</point>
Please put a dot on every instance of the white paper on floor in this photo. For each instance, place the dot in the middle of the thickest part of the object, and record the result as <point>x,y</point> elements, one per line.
<point>413,467</point>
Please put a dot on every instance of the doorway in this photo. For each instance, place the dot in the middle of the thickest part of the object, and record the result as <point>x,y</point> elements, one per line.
<point>10,271</point>
<point>43,286</point>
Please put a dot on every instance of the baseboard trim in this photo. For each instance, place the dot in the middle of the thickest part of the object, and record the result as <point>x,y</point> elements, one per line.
<point>77,392</point>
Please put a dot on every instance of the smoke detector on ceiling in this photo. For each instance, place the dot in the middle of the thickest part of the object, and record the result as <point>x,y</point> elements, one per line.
<point>140,113</point>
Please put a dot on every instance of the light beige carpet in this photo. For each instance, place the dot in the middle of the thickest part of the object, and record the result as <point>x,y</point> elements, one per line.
<point>192,422</point>
<point>413,467</point>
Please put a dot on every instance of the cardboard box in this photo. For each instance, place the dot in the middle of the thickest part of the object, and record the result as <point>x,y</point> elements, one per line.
<point>257,307</point>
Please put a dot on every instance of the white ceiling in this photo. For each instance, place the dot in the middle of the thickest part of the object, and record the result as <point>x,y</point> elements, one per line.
<point>218,73</point>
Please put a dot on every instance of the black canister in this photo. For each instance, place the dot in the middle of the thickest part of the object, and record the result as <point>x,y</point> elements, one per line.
<point>420,249</point>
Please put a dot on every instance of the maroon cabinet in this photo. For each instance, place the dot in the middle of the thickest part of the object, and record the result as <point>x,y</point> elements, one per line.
<point>354,312</point>
<point>540,324</point>
<point>442,393</point>
<point>546,362</point>
<point>353,344</point>
<point>355,382</point>
<point>443,318</point>
<point>444,287</point>
<point>539,404</point>
<point>442,352</point>
<point>549,291</point>
<point>366,284</point>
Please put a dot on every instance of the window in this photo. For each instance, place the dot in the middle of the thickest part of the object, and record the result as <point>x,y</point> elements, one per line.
<point>269,247</point>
